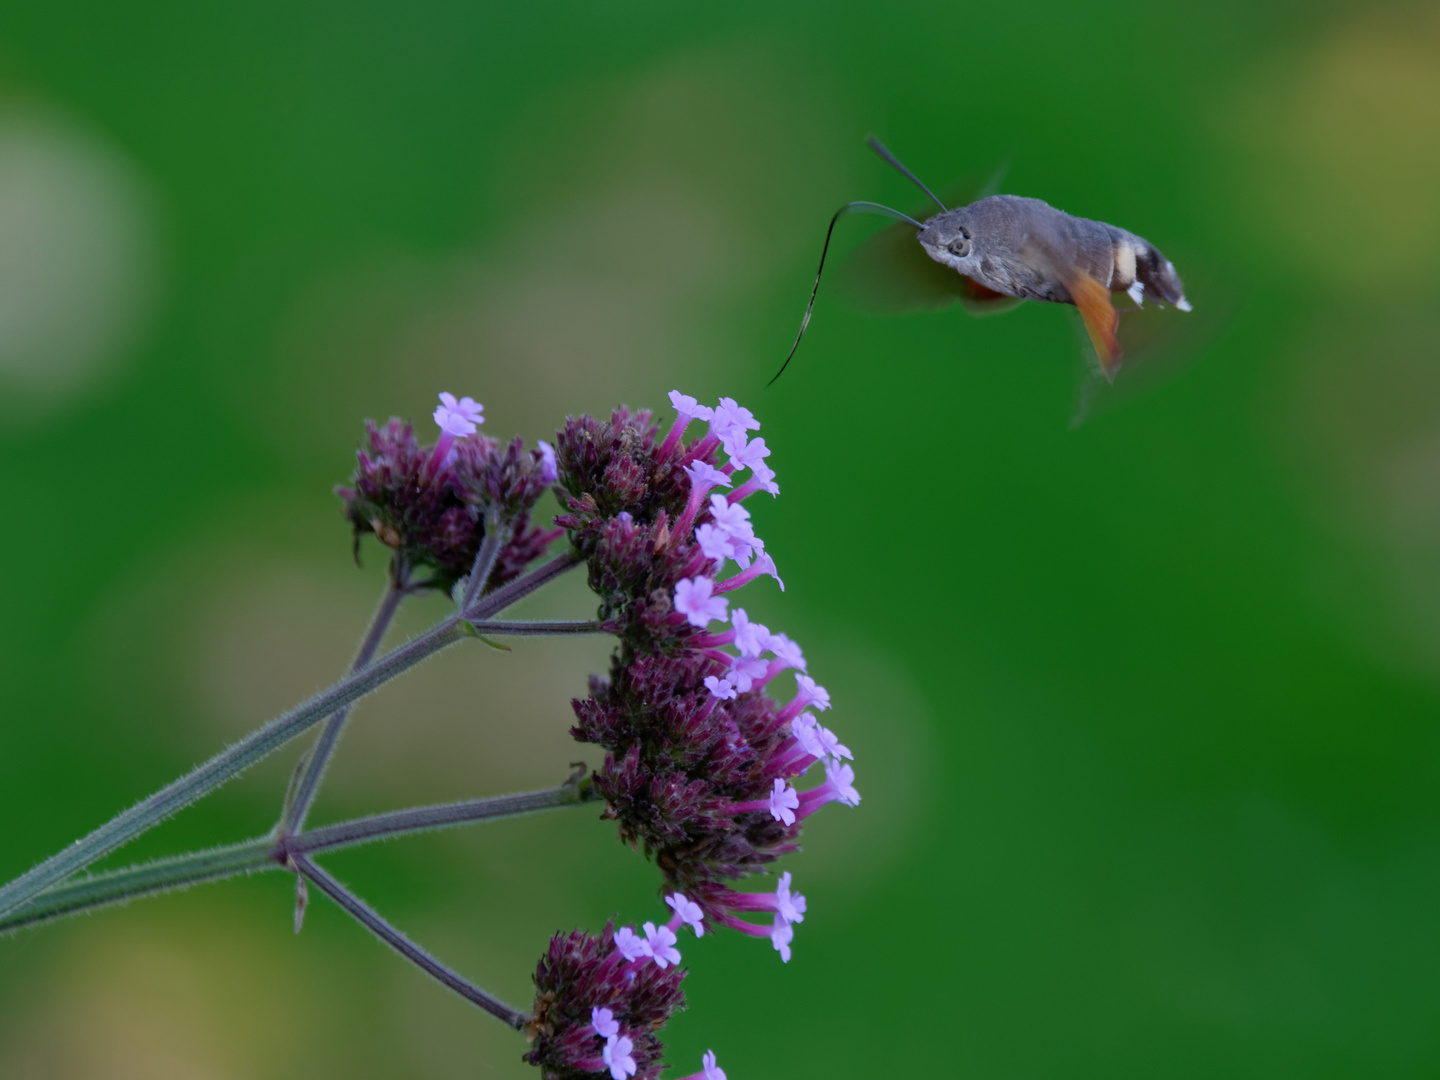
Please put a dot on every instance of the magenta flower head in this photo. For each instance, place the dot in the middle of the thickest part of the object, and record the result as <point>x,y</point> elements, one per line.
<point>429,506</point>
<point>588,998</point>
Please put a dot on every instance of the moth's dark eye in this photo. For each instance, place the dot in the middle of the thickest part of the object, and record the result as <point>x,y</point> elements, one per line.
<point>960,246</point>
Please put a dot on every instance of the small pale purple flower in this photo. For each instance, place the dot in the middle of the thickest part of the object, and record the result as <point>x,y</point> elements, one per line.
<point>660,940</point>
<point>834,748</point>
<point>763,477</point>
<point>784,801</point>
<point>744,670</point>
<point>458,418</point>
<point>720,688</point>
<point>631,945</point>
<point>704,475</point>
<point>733,415</point>
<point>689,408</point>
<point>689,912</point>
<point>604,1022</point>
<point>751,638</point>
<point>712,1070</point>
<point>715,542</point>
<point>806,731</point>
<point>734,520</point>
<point>788,906</point>
<point>787,651</point>
<point>841,780</point>
<point>695,600</point>
<point>811,692</point>
<point>746,548</point>
<point>750,455</point>
<point>617,1056</point>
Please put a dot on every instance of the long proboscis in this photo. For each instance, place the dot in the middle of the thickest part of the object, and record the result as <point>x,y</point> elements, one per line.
<point>859,207</point>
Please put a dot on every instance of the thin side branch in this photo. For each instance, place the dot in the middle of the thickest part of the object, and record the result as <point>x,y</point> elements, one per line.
<point>506,595</point>
<point>372,921</point>
<point>302,796</point>
<point>578,789</point>
<point>270,853</point>
<point>150,879</point>
<point>236,759</point>
<point>223,766</point>
<point>497,534</point>
<point>537,628</point>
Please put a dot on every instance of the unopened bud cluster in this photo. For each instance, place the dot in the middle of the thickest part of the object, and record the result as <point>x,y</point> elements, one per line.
<point>429,503</point>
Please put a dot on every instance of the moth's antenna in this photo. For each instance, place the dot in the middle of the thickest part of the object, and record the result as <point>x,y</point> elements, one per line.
<point>879,148</point>
<point>849,208</point>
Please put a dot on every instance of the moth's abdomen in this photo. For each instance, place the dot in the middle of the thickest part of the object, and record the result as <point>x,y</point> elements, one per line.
<point>1143,272</point>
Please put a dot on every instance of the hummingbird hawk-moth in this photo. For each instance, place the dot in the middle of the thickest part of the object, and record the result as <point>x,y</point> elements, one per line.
<point>1006,248</point>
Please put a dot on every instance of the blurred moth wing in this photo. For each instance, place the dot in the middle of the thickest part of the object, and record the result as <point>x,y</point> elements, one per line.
<point>1158,346</point>
<point>890,274</point>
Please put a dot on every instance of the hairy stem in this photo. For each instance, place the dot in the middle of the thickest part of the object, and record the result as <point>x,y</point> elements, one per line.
<point>497,534</point>
<point>574,791</point>
<point>372,921</point>
<point>537,627</point>
<point>205,778</point>
<point>269,853</point>
<point>506,595</point>
<point>151,879</point>
<point>255,746</point>
<point>303,792</point>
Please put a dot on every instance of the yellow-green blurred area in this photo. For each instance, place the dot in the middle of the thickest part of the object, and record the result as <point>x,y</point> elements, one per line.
<point>1146,712</point>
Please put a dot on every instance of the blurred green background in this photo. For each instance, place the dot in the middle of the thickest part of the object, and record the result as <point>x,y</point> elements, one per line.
<point>1145,711</point>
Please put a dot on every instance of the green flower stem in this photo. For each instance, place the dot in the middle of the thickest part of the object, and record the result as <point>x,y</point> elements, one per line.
<point>303,792</point>
<point>205,778</point>
<point>372,921</point>
<point>269,853</point>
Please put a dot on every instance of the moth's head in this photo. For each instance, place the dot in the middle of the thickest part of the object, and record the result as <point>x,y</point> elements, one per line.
<point>951,239</point>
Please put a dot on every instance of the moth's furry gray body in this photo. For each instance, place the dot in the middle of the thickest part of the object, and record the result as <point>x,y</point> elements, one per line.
<point>1023,247</point>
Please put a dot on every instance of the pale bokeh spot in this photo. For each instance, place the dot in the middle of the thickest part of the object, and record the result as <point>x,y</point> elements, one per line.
<point>1340,147</point>
<point>78,273</point>
<point>1361,435</point>
<point>150,1001</point>
<point>233,631</point>
<point>470,722</point>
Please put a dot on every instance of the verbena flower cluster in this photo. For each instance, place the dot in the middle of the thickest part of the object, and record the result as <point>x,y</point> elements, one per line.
<point>700,762</point>
<point>429,503</point>
<point>702,766</point>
